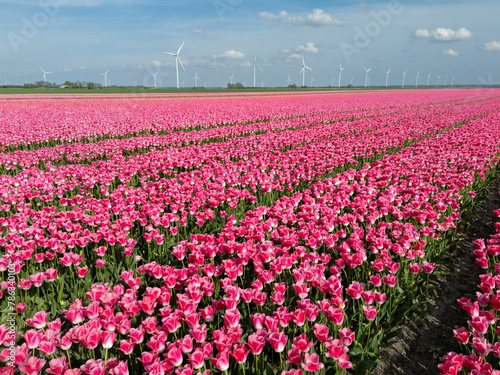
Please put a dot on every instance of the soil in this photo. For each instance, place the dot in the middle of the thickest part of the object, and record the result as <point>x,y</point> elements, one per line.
<point>421,344</point>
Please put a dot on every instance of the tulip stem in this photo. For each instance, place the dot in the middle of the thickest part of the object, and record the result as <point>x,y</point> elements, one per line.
<point>69,358</point>
<point>368,336</point>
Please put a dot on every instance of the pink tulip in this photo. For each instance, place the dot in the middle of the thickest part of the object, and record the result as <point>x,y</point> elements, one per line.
<point>312,363</point>
<point>277,340</point>
<point>221,361</point>
<point>32,366</point>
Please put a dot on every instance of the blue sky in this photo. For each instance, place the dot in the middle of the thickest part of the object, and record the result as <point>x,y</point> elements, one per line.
<point>79,39</point>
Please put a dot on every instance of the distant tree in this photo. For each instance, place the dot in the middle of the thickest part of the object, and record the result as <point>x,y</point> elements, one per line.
<point>91,85</point>
<point>292,86</point>
<point>235,86</point>
<point>350,86</point>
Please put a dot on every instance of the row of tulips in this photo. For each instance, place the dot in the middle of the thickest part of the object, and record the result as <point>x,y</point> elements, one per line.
<point>28,124</point>
<point>78,152</point>
<point>313,252</point>
<point>479,339</point>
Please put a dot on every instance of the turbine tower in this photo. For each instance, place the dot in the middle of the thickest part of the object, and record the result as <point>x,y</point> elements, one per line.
<point>312,81</point>
<point>417,78</point>
<point>303,71</point>
<point>177,61</point>
<point>289,81</point>
<point>366,76</point>
<point>154,78</point>
<point>452,80</point>
<point>403,84</point>
<point>45,74</point>
<point>428,78</point>
<point>387,77</point>
<point>445,79</point>
<point>255,65</point>
<point>231,79</point>
<point>437,80</point>
<point>105,78</point>
<point>340,72</point>
<point>196,79</point>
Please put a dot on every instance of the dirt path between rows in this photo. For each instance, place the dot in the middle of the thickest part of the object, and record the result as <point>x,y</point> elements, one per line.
<point>422,343</point>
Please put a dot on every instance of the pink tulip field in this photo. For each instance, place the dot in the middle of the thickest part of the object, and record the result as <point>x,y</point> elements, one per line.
<point>226,234</point>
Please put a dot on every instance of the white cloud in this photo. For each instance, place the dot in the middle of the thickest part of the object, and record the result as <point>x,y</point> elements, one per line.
<point>231,54</point>
<point>442,34</point>
<point>198,31</point>
<point>422,33</point>
<point>492,46</point>
<point>317,18</point>
<point>246,64</point>
<point>295,56</point>
<point>309,47</point>
<point>156,63</point>
<point>450,52</point>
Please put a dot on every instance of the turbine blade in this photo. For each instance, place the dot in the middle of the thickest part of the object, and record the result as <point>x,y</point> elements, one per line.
<point>179,50</point>
<point>181,63</point>
<point>308,68</point>
<point>301,70</point>
<point>258,67</point>
<point>170,53</point>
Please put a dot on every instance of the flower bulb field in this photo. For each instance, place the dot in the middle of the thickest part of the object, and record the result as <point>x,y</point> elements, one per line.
<point>239,234</point>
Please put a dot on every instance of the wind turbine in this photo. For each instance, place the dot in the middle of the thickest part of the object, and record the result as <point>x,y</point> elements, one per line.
<point>255,65</point>
<point>231,78</point>
<point>177,61</point>
<point>262,81</point>
<point>417,78</point>
<point>45,74</point>
<point>6,82</point>
<point>445,79</point>
<point>303,71</point>
<point>106,78</point>
<point>437,80</point>
<point>289,81</point>
<point>452,80</point>
<point>403,84</point>
<point>340,72</point>
<point>154,78</point>
<point>366,76</point>
<point>312,81</point>
<point>196,79</point>
<point>428,78</point>
<point>333,81</point>
<point>387,77</point>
